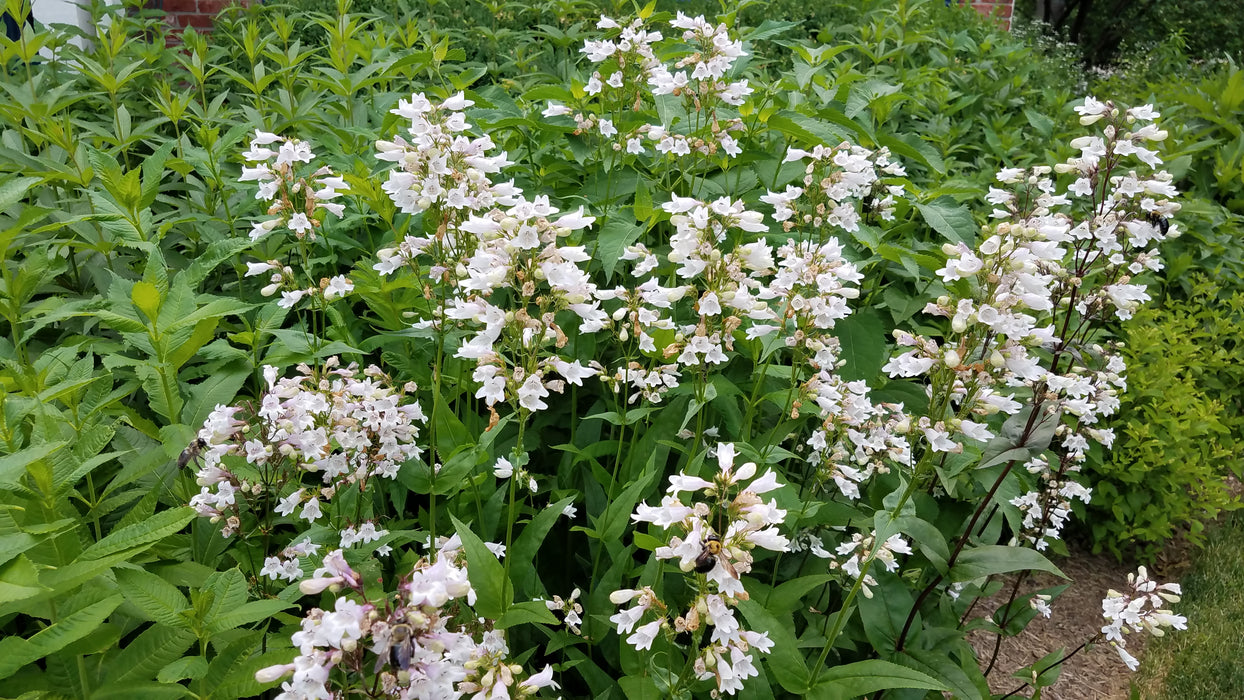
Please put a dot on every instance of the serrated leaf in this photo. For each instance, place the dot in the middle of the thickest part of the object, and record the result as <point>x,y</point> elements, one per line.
<point>147,299</point>
<point>158,599</point>
<point>155,528</point>
<point>253,611</point>
<point>192,667</point>
<point>13,466</point>
<point>953,221</point>
<point>141,659</point>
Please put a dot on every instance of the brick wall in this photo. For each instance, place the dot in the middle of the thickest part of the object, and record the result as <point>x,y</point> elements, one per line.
<point>999,9</point>
<point>193,13</point>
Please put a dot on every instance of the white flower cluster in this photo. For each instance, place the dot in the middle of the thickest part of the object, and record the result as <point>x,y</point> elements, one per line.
<point>282,280</point>
<point>569,608</point>
<point>296,201</point>
<point>344,425</point>
<point>863,549</point>
<point>417,646</point>
<point>286,565</point>
<point>440,167</point>
<point>1047,510</point>
<point>628,74</point>
<point>1139,609</point>
<point>835,178</point>
<point>1052,268</point>
<point>734,497</point>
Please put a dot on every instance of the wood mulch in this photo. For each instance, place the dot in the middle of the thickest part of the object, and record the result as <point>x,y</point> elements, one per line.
<point>1096,673</point>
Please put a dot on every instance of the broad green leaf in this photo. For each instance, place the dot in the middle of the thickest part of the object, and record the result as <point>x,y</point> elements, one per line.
<point>16,652</point>
<point>192,667</point>
<point>155,528</point>
<point>613,238</point>
<point>487,576</point>
<point>979,562</point>
<point>953,221</point>
<point>147,299</point>
<point>863,344</point>
<point>785,661</point>
<point>153,649</point>
<point>531,611</point>
<point>253,611</point>
<point>527,544</point>
<point>13,466</point>
<point>158,599</point>
<point>19,580</point>
<point>864,677</point>
<point>140,690</point>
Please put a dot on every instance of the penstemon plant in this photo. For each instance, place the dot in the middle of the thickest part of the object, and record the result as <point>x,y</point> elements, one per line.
<point>898,511</point>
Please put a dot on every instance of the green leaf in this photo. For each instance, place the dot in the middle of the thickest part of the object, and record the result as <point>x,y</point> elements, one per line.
<point>147,298</point>
<point>251,612</point>
<point>192,667</point>
<point>787,596</point>
<point>14,190</point>
<point>16,652</point>
<point>528,544</point>
<point>13,466</point>
<point>155,528</point>
<point>864,677</point>
<point>985,560</point>
<point>531,611</point>
<point>863,344</point>
<point>140,690</point>
<point>613,238</point>
<point>784,660</point>
<point>150,651</point>
<point>19,580</point>
<point>952,220</point>
<point>493,595</point>
<point>158,599</point>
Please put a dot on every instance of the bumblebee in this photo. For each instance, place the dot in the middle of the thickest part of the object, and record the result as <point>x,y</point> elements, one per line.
<point>1162,223</point>
<point>401,645</point>
<point>191,453</point>
<point>711,555</point>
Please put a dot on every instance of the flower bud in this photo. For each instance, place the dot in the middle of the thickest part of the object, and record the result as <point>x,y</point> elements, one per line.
<point>952,359</point>
<point>273,673</point>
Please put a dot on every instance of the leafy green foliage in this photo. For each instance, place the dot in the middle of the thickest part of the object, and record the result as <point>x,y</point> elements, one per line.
<point>123,243</point>
<point>1178,442</point>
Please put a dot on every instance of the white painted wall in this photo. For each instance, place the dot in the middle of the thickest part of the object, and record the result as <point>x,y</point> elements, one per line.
<point>49,12</point>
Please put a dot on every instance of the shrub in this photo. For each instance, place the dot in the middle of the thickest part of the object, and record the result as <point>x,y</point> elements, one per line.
<point>1178,443</point>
